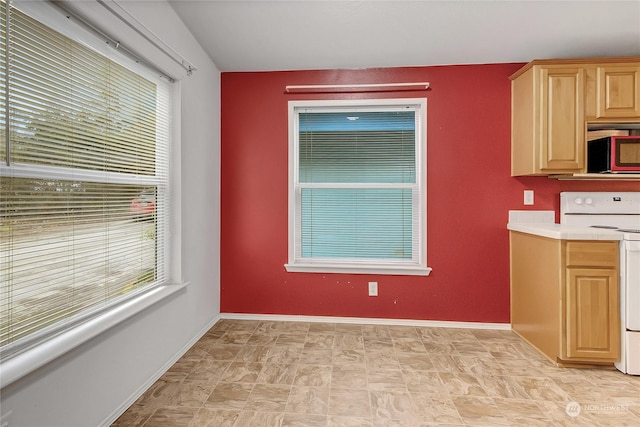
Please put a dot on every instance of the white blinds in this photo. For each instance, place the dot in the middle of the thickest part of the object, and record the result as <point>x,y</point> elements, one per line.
<point>83,184</point>
<point>357,147</point>
<point>357,196</point>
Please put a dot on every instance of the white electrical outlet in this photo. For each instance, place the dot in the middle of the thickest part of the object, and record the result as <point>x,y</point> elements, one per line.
<point>528,197</point>
<point>373,289</point>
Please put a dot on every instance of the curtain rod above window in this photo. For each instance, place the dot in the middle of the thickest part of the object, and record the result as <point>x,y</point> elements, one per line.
<point>374,87</point>
<point>135,25</point>
<point>121,13</point>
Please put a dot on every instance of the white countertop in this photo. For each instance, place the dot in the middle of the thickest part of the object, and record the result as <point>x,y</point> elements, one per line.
<point>541,223</point>
<point>565,232</point>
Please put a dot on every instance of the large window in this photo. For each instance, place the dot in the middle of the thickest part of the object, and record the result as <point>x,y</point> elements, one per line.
<point>84,176</point>
<point>357,186</point>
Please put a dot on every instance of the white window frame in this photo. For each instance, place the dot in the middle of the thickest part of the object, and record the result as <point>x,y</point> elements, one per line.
<point>47,347</point>
<point>296,263</point>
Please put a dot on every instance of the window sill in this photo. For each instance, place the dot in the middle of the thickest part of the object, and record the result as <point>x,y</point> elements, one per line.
<point>33,358</point>
<point>358,269</point>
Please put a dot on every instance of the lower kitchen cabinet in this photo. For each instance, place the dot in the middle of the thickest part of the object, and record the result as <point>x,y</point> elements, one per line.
<point>591,330</point>
<point>564,298</point>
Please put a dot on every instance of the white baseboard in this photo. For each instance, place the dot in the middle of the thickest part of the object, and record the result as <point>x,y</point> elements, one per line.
<point>368,321</point>
<point>160,372</point>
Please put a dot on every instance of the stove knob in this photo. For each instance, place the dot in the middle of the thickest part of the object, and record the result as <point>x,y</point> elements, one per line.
<point>578,200</point>
<point>588,201</point>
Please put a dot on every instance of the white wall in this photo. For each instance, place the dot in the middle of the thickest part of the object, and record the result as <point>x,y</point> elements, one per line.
<point>93,383</point>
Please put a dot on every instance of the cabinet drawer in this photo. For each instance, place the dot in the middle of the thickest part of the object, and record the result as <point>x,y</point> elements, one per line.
<point>591,254</point>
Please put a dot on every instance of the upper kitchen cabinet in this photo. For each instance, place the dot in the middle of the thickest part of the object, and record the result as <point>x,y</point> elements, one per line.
<point>547,119</point>
<point>617,92</point>
<point>555,102</point>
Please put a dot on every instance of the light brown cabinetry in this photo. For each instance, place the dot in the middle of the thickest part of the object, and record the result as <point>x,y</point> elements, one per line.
<point>554,102</point>
<point>591,301</point>
<point>618,94</point>
<point>548,130</point>
<point>564,298</point>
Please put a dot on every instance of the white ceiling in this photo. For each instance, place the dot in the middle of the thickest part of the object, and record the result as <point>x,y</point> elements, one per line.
<point>297,35</point>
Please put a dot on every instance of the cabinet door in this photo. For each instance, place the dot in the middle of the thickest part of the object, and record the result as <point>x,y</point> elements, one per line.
<point>592,310</point>
<point>618,93</point>
<point>562,125</point>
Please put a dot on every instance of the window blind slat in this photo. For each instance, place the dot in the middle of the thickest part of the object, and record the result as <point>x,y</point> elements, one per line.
<point>357,147</point>
<point>3,80</point>
<point>68,96</point>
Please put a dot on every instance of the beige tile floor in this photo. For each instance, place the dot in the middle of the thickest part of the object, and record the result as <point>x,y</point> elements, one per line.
<point>266,373</point>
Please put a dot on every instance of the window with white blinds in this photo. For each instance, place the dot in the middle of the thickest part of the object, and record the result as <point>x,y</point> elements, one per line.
<point>84,178</point>
<point>357,186</point>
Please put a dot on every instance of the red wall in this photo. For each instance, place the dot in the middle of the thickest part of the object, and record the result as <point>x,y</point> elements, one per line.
<point>469,194</point>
